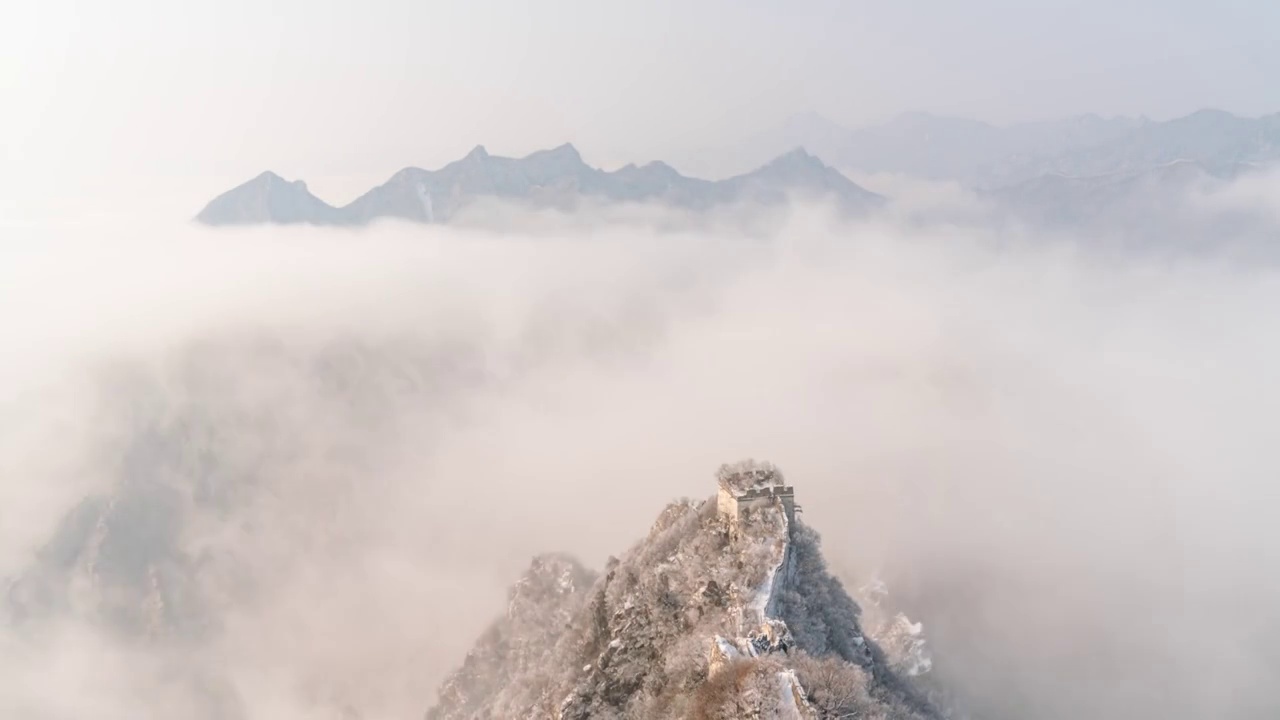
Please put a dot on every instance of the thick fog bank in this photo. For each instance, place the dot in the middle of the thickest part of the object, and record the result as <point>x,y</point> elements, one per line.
<point>284,472</point>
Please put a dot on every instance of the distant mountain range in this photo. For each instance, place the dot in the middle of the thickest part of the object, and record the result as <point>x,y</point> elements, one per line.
<point>981,155</point>
<point>1085,171</point>
<point>1144,196</point>
<point>547,178</point>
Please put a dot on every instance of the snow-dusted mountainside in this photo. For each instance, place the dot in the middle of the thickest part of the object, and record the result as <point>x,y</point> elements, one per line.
<point>725,610</point>
<point>548,178</point>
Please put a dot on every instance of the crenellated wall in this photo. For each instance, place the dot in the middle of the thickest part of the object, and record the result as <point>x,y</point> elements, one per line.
<point>731,504</point>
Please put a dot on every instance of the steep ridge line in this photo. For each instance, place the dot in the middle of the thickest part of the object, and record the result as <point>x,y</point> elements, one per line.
<point>723,611</point>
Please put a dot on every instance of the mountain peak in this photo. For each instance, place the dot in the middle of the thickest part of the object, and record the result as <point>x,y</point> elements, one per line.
<point>794,159</point>
<point>1206,119</point>
<point>730,592</point>
<point>477,153</point>
<point>1214,113</point>
<point>798,153</point>
<point>661,169</point>
<point>561,155</point>
<point>268,198</point>
<point>652,167</point>
<point>566,151</point>
<point>270,179</point>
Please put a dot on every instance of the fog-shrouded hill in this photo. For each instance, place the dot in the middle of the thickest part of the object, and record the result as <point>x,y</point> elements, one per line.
<point>548,178</point>
<point>1218,141</point>
<point>980,154</point>
<point>725,610</point>
<point>192,521</point>
<point>922,144</point>
<point>1123,200</point>
<point>1173,208</point>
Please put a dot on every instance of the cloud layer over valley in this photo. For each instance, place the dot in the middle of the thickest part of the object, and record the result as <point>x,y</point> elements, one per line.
<point>292,470</point>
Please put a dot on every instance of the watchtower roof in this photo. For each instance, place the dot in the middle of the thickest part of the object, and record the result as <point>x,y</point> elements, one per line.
<point>749,477</point>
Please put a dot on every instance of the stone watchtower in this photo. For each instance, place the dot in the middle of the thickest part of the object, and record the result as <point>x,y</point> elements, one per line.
<point>752,484</point>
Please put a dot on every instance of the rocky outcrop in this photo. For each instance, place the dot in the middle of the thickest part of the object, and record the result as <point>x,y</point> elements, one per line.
<point>692,622</point>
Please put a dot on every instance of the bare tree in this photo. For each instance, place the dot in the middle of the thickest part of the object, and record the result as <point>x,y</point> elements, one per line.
<point>836,689</point>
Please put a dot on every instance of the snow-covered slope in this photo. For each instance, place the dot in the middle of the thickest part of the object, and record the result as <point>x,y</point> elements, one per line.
<point>707,617</point>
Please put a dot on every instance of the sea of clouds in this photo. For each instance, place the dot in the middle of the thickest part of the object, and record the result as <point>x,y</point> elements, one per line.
<point>312,460</point>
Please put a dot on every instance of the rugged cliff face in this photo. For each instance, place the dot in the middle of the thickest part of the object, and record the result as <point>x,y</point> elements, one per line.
<point>708,617</point>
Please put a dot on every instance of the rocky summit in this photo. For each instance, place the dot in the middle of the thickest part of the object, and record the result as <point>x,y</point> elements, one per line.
<point>725,610</point>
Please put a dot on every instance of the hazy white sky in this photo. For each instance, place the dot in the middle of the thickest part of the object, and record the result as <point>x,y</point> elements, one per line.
<point>142,102</point>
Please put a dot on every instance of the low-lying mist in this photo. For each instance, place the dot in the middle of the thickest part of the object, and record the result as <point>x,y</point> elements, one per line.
<point>289,473</point>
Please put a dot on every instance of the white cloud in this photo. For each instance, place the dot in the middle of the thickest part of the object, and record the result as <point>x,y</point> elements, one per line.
<point>1061,462</point>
